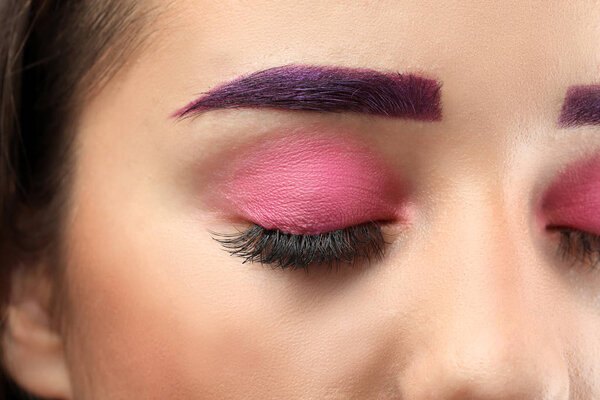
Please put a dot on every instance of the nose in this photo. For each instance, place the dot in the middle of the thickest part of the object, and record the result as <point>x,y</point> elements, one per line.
<point>487,326</point>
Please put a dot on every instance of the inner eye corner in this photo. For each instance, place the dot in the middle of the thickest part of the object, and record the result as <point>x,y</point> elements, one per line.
<point>392,227</point>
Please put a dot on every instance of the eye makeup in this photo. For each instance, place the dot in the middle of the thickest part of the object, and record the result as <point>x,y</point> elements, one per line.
<point>309,184</point>
<point>573,200</point>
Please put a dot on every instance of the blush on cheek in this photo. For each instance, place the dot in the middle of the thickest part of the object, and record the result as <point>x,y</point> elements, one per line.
<point>312,184</point>
<point>573,200</point>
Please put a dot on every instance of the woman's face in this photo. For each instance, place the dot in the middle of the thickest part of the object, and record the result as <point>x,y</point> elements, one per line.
<point>478,294</point>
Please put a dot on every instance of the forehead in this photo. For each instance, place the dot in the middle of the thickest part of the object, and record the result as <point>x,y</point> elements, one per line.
<point>403,33</point>
<point>487,47</point>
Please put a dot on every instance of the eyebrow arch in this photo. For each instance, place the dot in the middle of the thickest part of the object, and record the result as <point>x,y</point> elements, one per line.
<point>326,89</point>
<point>581,106</point>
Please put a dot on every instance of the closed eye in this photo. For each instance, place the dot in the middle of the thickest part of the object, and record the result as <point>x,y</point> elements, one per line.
<point>350,245</point>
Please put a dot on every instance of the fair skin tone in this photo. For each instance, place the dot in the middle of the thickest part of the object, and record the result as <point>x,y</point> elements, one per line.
<point>470,299</point>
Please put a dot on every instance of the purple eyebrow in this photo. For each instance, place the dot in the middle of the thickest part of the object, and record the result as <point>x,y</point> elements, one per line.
<point>326,89</point>
<point>581,106</point>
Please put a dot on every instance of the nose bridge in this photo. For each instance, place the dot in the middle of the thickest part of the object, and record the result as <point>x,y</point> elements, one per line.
<point>488,337</point>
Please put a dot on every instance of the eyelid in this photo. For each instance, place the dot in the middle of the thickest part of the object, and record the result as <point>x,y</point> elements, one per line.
<point>309,184</point>
<point>573,198</point>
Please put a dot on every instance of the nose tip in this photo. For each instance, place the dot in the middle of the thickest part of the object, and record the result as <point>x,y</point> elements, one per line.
<point>488,343</point>
<point>487,371</point>
<point>491,340</point>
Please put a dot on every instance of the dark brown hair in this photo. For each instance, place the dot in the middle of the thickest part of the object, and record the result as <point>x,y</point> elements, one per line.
<point>54,55</point>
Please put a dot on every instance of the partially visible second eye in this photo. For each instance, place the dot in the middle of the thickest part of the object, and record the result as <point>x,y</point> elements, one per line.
<point>579,246</point>
<point>274,247</point>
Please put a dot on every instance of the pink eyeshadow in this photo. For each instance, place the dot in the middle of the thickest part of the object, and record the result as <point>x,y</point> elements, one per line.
<point>312,184</point>
<point>573,200</point>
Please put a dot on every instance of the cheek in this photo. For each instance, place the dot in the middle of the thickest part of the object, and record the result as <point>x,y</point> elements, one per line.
<point>120,303</point>
<point>152,317</point>
<point>157,310</point>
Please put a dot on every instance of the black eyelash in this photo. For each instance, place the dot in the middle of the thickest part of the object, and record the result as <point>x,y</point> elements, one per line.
<point>286,250</point>
<point>579,246</point>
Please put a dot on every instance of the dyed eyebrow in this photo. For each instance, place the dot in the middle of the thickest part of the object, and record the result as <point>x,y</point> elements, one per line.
<point>581,106</point>
<point>326,89</point>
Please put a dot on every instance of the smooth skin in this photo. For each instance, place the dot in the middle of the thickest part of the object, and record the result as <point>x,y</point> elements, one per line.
<point>471,300</point>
